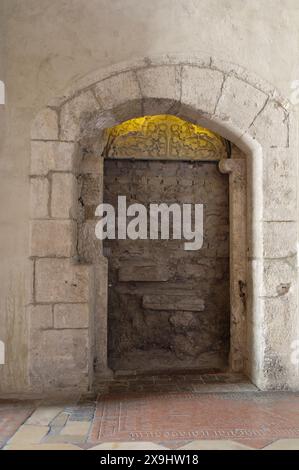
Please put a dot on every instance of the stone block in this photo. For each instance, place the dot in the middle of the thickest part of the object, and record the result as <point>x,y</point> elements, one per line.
<point>43,415</point>
<point>160,88</point>
<point>39,198</point>
<point>40,317</point>
<point>131,272</point>
<point>240,102</point>
<point>74,113</point>
<point>71,316</point>
<point>59,359</point>
<point>201,88</point>
<point>59,280</point>
<point>64,196</point>
<point>89,246</point>
<point>271,127</point>
<point>45,125</point>
<point>190,303</point>
<point>29,281</point>
<point>28,434</point>
<point>53,238</point>
<point>117,90</point>
<point>279,277</point>
<point>51,156</point>
<point>279,239</point>
<point>280,184</point>
<point>76,428</point>
<point>279,329</point>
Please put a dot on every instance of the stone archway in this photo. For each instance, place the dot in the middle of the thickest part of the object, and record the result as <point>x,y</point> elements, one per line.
<point>215,95</point>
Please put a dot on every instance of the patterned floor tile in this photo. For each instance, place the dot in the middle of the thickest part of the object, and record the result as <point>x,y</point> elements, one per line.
<point>128,446</point>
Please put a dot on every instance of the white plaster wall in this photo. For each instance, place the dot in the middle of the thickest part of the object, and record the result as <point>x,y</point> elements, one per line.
<point>50,43</point>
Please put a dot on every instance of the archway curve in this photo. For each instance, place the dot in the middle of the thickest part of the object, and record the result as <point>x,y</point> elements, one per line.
<point>213,94</point>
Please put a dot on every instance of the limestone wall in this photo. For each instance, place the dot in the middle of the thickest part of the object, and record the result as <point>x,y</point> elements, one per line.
<point>49,44</point>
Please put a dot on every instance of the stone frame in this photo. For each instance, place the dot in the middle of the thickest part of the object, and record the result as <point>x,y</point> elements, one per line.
<point>65,294</point>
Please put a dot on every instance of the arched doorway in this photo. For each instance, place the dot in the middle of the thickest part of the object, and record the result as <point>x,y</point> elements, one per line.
<point>67,292</point>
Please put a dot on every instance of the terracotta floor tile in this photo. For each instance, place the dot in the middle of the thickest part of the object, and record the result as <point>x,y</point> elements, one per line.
<point>246,418</point>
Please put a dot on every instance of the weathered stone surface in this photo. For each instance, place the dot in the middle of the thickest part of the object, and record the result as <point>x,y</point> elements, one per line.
<point>91,164</point>
<point>182,321</point>
<point>29,281</point>
<point>201,88</point>
<point>56,351</point>
<point>40,317</point>
<point>132,272</point>
<point>143,334</point>
<point>64,196</point>
<point>45,125</point>
<point>280,239</point>
<point>280,184</point>
<point>279,277</point>
<point>59,280</point>
<point>116,90</point>
<point>76,428</point>
<point>90,248</point>
<point>190,303</point>
<point>71,316</point>
<point>240,102</point>
<point>51,156</point>
<point>271,127</point>
<point>53,238</point>
<point>39,198</point>
<point>28,434</point>
<point>159,83</point>
<point>74,112</point>
<point>43,415</point>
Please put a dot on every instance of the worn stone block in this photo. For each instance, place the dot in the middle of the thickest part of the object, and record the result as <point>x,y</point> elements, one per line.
<point>29,281</point>
<point>39,198</point>
<point>73,114</point>
<point>159,83</point>
<point>240,102</point>
<point>90,248</point>
<point>271,127</point>
<point>190,303</point>
<point>64,196</point>
<point>51,156</point>
<point>118,89</point>
<point>40,317</point>
<point>56,351</point>
<point>279,277</point>
<point>201,88</point>
<point>71,316</point>
<point>45,125</point>
<point>131,272</point>
<point>52,238</point>
<point>280,184</point>
<point>59,280</point>
<point>280,239</point>
<point>43,415</point>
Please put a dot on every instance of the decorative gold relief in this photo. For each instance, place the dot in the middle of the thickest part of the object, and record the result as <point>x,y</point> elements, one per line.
<point>164,137</point>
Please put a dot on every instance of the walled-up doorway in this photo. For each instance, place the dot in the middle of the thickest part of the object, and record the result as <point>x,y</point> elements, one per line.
<point>168,308</point>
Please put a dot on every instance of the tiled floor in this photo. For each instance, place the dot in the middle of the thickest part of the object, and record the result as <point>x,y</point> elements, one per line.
<point>180,412</point>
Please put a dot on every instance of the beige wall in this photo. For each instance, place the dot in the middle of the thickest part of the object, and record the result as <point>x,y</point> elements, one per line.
<point>50,43</point>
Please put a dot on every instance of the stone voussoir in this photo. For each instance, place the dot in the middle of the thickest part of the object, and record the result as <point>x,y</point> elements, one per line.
<point>201,88</point>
